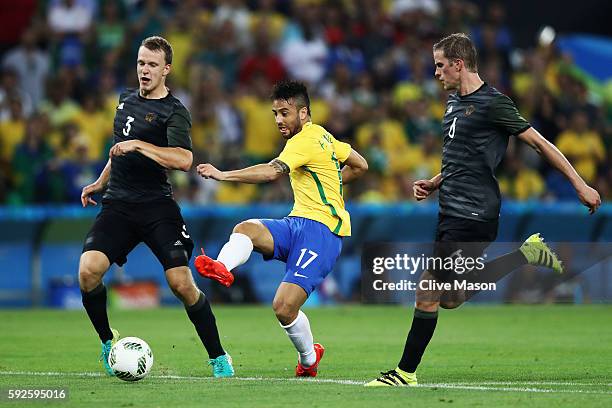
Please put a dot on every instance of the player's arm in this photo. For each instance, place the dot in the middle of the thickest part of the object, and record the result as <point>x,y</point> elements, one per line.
<point>96,186</point>
<point>260,173</point>
<point>423,188</point>
<point>175,158</point>
<point>354,167</point>
<point>587,195</point>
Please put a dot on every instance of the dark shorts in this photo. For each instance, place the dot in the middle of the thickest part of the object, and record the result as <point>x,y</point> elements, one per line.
<point>120,226</point>
<point>461,237</point>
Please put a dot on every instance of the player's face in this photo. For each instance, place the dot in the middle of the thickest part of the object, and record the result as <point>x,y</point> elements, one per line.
<point>287,117</point>
<point>446,71</point>
<point>152,69</point>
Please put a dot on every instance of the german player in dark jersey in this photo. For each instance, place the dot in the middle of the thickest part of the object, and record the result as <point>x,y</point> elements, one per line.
<point>151,135</point>
<point>478,123</point>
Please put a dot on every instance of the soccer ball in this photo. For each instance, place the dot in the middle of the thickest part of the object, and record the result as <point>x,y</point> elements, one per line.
<point>131,359</point>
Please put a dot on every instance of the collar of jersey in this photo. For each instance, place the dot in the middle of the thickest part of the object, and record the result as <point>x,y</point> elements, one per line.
<point>484,83</point>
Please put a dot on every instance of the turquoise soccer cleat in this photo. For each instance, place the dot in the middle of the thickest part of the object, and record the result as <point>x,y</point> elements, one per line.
<point>222,366</point>
<point>106,348</point>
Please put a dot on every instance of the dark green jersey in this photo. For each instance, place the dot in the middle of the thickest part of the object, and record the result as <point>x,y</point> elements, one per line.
<point>476,131</point>
<point>162,122</point>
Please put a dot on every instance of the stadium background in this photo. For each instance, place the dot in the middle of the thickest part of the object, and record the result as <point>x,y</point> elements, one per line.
<point>369,70</point>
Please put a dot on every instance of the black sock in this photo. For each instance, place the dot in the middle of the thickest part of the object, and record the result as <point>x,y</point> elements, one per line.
<point>421,331</point>
<point>496,269</point>
<point>95,305</point>
<point>203,319</point>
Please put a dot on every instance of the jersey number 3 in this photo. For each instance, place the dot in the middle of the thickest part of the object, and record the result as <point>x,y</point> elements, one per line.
<point>128,126</point>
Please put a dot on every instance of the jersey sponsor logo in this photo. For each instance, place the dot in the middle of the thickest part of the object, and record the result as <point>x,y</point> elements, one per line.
<point>178,243</point>
<point>150,117</point>
<point>120,106</point>
<point>299,275</point>
<point>469,110</point>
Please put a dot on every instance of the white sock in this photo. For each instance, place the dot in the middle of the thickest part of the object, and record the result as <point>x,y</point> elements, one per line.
<point>236,251</point>
<point>300,335</point>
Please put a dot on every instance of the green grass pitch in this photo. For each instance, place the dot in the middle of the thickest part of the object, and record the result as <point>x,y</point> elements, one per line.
<point>479,356</point>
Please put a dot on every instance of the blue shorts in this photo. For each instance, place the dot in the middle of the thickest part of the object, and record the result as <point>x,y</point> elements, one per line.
<point>308,248</point>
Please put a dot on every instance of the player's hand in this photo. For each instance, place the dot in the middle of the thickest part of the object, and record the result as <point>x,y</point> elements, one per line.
<point>423,188</point>
<point>208,171</point>
<point>589,197</point>
<point>122,148</point>
<point>87,192</point>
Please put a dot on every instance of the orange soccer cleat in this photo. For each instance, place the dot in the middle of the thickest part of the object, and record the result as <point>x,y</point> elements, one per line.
<point>213,269</point>
<point>301,371</point>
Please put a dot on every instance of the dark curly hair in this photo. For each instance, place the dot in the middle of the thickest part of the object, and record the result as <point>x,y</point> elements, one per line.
<point>292,90</point>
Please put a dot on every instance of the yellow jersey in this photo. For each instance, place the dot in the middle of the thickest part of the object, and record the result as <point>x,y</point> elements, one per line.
<point>314,156</point>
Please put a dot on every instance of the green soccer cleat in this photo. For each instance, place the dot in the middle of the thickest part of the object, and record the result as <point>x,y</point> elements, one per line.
<point>106,348</point>
<point>222,366</point>
<point>538,253</point>
<point>394,378</point>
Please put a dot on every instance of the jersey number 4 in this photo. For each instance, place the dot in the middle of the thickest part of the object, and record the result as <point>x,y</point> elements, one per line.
<point>128,126</point>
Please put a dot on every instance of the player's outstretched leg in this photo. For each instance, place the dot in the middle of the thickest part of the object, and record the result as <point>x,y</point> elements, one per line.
<point>533,251</point>
<point>92,267</point>
<point>287,302</point>
<point>538,253</point>
<point>201,315</point>
<point>246,236</point>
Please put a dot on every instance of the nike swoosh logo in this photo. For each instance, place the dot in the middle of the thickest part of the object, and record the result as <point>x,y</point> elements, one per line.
<point>298,275</point>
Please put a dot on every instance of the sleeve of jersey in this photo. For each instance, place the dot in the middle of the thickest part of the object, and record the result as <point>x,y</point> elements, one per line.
<point>504,115</point>
<point>179,124</point>
<point>295,154</point>
<point>343,150</point>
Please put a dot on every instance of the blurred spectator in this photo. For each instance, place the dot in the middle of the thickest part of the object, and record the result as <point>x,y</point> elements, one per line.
<point>262,61</point>
<point>95,127</point>
<point>70,16</point>
<point>29,164</point>
<point>79,170</point>
<point>304,51</point>
<point>582,146</point>
<point>520,182</point>
<point>12,130</point>
<point>31,65</point>
<point>59,107</point>
<point>262,140</point>
<point>10,90</point>
<point>219,48</point>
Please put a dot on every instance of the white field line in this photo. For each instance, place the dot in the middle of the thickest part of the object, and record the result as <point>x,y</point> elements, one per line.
<point>516,386</point>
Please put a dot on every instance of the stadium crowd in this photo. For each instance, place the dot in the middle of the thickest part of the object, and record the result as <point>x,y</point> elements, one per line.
<point>367,63</point>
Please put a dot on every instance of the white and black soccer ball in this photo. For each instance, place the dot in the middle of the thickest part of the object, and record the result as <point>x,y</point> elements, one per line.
<point>131,359</point>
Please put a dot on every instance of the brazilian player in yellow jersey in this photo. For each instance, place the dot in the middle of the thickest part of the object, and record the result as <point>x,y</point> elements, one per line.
<point>309,240</point>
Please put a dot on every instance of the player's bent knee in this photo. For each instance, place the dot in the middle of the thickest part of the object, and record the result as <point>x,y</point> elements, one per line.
<point>250,228</point>
<point>285,312</point>
<point>183,288</point>
<point>92,266</point>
